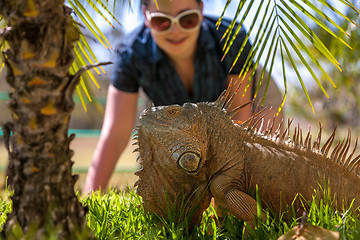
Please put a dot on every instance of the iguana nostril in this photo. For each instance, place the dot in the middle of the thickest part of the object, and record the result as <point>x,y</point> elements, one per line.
<point>189,161</point>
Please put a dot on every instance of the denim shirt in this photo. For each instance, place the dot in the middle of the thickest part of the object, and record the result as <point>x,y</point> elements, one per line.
<point>139,62</point>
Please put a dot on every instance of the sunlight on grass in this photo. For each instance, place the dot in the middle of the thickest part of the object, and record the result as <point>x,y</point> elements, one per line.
<point>118,214</point>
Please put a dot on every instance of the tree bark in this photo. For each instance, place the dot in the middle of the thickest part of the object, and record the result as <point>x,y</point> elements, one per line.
<point>40,34</point>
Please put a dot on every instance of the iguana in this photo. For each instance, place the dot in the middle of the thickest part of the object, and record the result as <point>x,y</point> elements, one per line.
<point>195,152</point>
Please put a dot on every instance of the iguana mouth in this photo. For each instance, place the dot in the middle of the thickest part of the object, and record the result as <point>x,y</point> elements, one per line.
<point>147,120</point>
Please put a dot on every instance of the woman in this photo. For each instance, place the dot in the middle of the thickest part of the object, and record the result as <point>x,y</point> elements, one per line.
<point>175,58</point>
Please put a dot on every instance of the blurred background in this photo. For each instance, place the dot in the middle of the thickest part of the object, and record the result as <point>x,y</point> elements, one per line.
<point>342,109</point>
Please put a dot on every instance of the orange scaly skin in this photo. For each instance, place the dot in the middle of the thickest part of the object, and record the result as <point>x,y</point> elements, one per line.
<point>195,152</point>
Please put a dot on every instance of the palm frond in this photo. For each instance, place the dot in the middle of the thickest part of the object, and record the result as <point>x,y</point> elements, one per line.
<point>84,54</point>
<point>3,44</point>
<point>103,8</point>
<point>289,23</point>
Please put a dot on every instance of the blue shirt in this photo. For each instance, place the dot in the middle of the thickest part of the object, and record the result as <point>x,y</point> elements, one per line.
<point>140,62</point>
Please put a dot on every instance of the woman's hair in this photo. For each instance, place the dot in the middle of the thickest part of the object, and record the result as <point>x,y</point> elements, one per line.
<point>146,2</point>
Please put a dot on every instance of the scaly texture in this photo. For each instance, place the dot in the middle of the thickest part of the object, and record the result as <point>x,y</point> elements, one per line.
<point>194,152</point>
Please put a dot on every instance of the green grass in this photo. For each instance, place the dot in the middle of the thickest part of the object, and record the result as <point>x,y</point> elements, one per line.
<point>119,214</point>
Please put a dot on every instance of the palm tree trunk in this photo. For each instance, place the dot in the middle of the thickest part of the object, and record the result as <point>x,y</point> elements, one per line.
<point>40,35</point>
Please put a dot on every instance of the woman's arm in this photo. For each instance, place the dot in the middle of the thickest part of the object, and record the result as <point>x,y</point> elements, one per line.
<point>115,133</point>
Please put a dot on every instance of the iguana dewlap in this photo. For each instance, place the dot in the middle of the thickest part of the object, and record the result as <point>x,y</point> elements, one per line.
<point>194,152</point>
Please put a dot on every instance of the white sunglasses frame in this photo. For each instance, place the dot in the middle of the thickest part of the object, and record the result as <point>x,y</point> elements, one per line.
<point>174,20</point>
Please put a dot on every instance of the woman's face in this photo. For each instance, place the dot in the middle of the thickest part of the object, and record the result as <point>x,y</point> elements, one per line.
<point>175,42</point>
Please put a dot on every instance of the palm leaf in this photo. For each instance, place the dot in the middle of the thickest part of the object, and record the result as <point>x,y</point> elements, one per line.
<point>228,32</point>
<point>89,23</point>
<point>325,3</point>
<point>3,44</point>
<point>318,21</point>
<point>284,74</point>
<point>300,55</point>
<point>267,60</point>
<point>350,5</point>
<point>271,67</point>
<point>254,48</point>
<point>298,74</point>
<point>105,8</point>
<point>223,12</point>
<point>83,52</point>
<point>287,26</point>
<point>246,38</point>
<point>311,36</point>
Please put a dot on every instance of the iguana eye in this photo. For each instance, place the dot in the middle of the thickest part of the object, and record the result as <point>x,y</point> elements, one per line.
<point>189,161</point>
<point>173,111</point>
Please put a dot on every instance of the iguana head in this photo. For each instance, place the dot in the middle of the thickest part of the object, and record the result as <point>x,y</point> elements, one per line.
<point>176,132</point>
<point>172,145</point>
<point>176,157</point>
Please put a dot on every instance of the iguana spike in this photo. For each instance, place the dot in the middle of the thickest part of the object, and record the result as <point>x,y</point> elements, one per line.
<point>137,173</point>
<point>250,123</point>
<point>261,125</point>
<point>228,103</point>
<point>317,141</point>
<point>267,127</point>
<point>335,151</point>
<point>298,134</point>
<point>307,138</point>
<point>223,96</point>
<point>136,150</point>
<point>268,108</point>
<point>235,110</point>
<point>218,101</point>
<point>295,135</point>
<point>354,163</point>
<point>253,128</point>
<point>356,167</point>
<point>287,130</point>
<point>135,143</point>
<point>309,142</point>
<point>348,161</point>
<point>337,154</point>
<point>345,149</point>
<point>272,125</point>
<point>284,134</point>
<point>301,138</point>
<point>277,132</point>
<point>325,149</point>
<point>231,99</point>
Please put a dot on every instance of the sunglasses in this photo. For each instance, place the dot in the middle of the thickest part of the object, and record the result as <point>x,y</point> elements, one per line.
<point>187,21</point>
